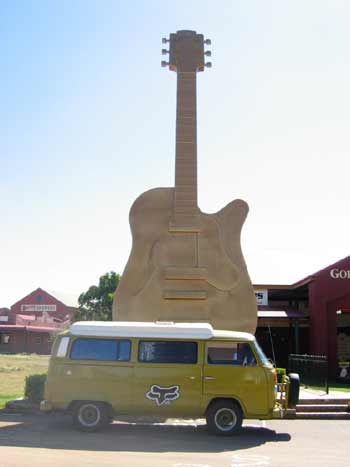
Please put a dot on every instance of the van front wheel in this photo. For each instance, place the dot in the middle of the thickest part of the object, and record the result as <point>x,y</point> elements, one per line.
<point>224,418</point>
<point>90,415</point>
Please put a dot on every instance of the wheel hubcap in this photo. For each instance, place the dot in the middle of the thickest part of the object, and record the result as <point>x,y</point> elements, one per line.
<point>89,415</point>
<point>225,419</point>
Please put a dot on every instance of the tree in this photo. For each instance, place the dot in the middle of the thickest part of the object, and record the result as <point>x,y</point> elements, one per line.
<point>96,302</point>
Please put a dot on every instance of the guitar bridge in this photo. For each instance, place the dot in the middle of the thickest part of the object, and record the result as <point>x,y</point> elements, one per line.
<point>173,273</point>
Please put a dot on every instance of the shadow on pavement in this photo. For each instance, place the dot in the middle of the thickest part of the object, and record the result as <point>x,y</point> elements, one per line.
<point>55,431</point>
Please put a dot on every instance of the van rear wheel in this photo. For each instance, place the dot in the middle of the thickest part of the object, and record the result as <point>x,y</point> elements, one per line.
<point>90,415</point>
<point>224,418</point>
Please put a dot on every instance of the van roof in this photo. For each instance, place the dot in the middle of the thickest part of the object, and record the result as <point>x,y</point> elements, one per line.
<point>157,329</point>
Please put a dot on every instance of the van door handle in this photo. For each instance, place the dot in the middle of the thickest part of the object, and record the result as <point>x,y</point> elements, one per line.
<point>209,378</point>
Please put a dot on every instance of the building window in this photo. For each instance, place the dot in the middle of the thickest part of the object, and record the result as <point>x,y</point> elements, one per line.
<point>167,352</point>
<point>4,339</point>
<point>38,339</point>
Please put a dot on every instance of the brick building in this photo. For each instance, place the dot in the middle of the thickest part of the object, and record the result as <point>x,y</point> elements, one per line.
<point>311,316</point>
<point>31,323</point>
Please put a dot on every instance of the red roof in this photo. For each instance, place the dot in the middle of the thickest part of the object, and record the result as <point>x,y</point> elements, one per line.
<point>38,291</point>
<point>20,327</point>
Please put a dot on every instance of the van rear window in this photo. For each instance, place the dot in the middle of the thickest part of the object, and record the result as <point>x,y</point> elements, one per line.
<point>167,352</point>
<point>101,349</point>
<point>62,347</point>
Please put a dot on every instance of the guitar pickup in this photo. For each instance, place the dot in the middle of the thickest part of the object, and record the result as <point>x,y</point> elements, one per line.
<point>173,273</point>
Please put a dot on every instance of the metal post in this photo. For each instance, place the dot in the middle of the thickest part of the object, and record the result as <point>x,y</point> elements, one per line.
<point>296,336</point>
<point>272,346</point>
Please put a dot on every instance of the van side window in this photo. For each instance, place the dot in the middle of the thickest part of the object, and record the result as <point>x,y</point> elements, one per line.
<point>101,349</point>
<point>230,353</point>
<point>167,352</point>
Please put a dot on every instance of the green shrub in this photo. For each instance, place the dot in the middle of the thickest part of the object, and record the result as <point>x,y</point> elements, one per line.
<point>280,373</point>
<point>34,387</point>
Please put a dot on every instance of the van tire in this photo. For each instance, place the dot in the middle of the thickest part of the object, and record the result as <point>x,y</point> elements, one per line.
<point>293,394</point>
<point>90,415</point>
<point>224,417</point>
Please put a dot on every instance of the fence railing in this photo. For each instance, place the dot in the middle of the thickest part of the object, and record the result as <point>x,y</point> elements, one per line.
<point>312,369</point>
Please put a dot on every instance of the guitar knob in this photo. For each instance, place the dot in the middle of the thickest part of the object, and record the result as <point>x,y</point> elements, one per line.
<point>165,40</point>
<point>165,51</point>
<point>207,42</point>
<point>208,65</point>
<point>207,53</point>
<point>164,63</point>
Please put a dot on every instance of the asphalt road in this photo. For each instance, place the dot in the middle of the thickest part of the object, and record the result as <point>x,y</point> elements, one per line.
<point>50,441</point>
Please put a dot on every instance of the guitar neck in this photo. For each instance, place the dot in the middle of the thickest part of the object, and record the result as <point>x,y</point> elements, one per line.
<point>185,200</point>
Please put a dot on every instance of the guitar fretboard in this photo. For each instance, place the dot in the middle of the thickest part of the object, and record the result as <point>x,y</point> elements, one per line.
<point>185,216</point>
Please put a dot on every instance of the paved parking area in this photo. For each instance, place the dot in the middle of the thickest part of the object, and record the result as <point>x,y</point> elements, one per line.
<point>50,440</point>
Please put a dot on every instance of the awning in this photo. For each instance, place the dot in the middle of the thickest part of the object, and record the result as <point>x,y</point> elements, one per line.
<point>280,313</point>
<point>20,327</point>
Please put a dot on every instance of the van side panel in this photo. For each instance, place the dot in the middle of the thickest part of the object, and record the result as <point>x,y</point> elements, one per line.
<point>100,381</point>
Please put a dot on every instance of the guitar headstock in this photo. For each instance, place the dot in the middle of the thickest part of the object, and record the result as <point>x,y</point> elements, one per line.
<point>186,51</point>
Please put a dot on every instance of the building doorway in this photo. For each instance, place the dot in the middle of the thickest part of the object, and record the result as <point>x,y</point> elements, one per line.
<point>343,344</point>
<point>278,342</point>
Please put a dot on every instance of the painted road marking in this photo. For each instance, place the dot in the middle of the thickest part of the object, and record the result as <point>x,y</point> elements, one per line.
<point>245,460</point>
<point>190,465</point>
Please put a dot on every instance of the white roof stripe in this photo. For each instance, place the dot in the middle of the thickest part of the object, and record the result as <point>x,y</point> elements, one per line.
<point>158,329</point>
<point>140,329</point>
<point>235,335</point>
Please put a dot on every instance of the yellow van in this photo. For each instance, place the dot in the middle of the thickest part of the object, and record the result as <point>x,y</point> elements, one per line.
<point>101,370</point>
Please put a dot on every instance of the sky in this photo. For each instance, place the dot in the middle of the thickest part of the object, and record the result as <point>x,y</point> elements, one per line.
<point>87,123</point>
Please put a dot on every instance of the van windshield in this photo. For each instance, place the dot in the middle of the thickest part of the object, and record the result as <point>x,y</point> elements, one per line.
<point>260,352</point>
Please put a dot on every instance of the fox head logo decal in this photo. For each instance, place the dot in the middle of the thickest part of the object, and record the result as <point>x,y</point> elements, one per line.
<point>163,395</point>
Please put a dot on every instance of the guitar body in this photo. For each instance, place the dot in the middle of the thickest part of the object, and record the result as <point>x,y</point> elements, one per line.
<point>186,276</point>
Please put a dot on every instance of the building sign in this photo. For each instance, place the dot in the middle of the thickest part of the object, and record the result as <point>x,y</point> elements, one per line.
<point>261,297</point>
<point>339,273</point>
<point>27,308</point>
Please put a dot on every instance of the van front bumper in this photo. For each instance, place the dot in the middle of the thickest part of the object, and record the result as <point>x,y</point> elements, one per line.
<point>278,411</point>
<point>45,406</point>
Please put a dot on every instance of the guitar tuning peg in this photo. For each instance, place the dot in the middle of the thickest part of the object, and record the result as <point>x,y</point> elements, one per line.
<point>207,41</point>
<point>165,51</point>
<point>207,53</point>
<point>208,65</point>
<point>164,63</point>
<point>165,40</point>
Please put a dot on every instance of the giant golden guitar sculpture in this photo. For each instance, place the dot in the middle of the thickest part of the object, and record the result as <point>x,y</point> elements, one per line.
<point>186,265</point>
